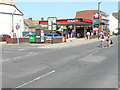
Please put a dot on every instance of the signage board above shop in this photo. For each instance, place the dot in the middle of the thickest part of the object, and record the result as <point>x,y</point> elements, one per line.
<point>73,21</point>
<point>67,21</point>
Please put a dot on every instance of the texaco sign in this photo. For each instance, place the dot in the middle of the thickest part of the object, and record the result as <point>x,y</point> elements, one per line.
<point>72,21</point>
<point>96,16</point>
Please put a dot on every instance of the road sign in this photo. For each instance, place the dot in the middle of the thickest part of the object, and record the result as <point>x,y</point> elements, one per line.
<point>17,26</point>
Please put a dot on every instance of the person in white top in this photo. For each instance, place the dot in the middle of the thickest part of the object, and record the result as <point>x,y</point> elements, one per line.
<point>88,35</point>
<point>108,39</point>
<point>102,36</point>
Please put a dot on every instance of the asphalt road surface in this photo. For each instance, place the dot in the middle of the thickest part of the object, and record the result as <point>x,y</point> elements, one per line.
<point>85,66</point>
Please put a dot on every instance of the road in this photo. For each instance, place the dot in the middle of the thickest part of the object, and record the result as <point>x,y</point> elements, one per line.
<point>84,66</point>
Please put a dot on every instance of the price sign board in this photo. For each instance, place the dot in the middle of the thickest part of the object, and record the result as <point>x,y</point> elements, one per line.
<point>95,22</point>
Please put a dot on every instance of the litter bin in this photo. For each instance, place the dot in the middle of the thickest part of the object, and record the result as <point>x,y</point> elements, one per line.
<point>32,38</point>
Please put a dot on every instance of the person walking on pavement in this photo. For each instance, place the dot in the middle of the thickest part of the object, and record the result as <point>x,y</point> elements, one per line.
<point>108,39</point>
<point>102,36</point>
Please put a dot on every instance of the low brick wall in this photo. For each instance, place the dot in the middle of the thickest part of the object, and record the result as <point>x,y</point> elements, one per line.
<point>26,40</point>
<point>92,37</point>
<point>21,40</point>
<point>55,40</point>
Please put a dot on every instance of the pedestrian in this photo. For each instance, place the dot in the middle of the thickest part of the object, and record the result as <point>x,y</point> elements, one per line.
<point>113,32</point>
<point>105,34</point>
<point>88,35</point>
<point>108,39</point>
<point>102,36</point>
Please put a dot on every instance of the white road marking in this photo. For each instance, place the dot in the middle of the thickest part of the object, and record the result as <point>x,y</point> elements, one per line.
<point>4,60</point>
<point>36,79</point>
<point>93,53</point>
<point>30,53</point>
<point>10,59</point>
<point>21,49</point>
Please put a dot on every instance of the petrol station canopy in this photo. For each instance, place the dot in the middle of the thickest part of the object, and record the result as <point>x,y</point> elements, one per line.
<point>78,21</point>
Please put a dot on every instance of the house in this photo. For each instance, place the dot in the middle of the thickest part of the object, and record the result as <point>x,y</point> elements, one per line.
<point>11,19</point>
<point>116,15</point>
<point>30,26</point>
<point>113,22</point>
<point>7,1</point>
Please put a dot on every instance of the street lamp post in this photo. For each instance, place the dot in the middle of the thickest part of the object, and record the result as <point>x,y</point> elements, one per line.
<point>52,33</point>
<point>18,32</point>
<point>99,17</point>
<point>13,23</point>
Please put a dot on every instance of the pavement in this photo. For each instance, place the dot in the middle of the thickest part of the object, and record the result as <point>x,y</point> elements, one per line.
<point>75,42</point>
<point>79,66</point>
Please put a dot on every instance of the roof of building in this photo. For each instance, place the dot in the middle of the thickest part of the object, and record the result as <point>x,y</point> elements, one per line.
<point>31,23</point>
<point>116,15</point>
<point>7,1</point>
<point>87,14</point>
<point>9,10</point>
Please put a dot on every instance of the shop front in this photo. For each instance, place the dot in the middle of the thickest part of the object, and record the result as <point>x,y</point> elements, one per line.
<point>71,28</point>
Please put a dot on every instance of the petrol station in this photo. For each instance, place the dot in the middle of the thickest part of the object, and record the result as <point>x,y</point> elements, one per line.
<point>73,27</point>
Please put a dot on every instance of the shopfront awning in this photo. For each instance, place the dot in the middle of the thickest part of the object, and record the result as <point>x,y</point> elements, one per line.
<point>80,21</point>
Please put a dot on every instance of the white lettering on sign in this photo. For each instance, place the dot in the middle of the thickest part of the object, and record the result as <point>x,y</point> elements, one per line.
<point>72,21</point>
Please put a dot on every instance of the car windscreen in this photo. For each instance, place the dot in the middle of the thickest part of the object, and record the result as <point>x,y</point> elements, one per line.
<point>49,35</point>
<point>56,35</point>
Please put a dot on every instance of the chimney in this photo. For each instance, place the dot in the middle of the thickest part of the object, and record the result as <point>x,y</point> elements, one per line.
<point>30,19</point>
<point>42,19</point>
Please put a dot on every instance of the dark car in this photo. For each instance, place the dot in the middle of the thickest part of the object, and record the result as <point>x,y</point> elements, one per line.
<point>54,35</point>
<point>4,37</point>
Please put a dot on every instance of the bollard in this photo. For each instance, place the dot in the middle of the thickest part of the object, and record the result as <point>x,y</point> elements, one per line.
<point>65,39</point>
<point>7,40</point>
<point>73,36</point>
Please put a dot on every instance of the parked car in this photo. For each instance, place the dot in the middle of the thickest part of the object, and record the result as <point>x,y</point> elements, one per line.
<point>54,35</point>
<point>4,37</point>
<point>26,36</point>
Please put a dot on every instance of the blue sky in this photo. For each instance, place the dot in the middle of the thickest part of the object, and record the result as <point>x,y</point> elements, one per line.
<point>61,10</point>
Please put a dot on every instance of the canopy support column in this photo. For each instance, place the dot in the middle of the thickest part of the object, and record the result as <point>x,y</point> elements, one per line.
<point>75,30</point>
<point>84,32</point>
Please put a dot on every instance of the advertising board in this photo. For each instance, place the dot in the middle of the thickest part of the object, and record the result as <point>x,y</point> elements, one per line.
<point>52,21</point>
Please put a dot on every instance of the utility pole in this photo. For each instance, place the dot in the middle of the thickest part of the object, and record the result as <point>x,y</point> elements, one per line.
<point>99,17</point>
<point>52,32</point>
<point>13,23</point>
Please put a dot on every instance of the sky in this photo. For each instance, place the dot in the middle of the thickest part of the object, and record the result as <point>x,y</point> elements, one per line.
<point>62,10</point>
